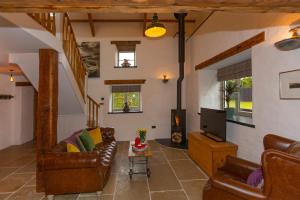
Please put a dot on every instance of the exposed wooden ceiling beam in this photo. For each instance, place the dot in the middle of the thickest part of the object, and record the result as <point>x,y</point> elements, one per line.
<point>92,25</point>
<point>23,83</point>
<point>129,20</point>
<point>200,25</point>
<point>247,44</point>
<point>148,6</point>
<point>144,24</point>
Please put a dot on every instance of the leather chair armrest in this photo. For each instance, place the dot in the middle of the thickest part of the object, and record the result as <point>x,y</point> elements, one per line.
<point>239,167</point>
<point>237,188</point>
<point>108,134</point>
<point>66,160</point>
<point>277,142</point>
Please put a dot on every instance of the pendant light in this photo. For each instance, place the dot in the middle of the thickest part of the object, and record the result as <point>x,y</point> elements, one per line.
<point>11,78</point>
<point>155,29</point>
<point>290,43</point>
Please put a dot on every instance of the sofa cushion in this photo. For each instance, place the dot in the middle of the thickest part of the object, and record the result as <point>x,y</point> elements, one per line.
<point>72,140</point>
<point>96,135</point>
<point>72,148</point>
<point>87,140</point>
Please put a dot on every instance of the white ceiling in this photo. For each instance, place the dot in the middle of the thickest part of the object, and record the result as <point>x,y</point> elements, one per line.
<point>15,40</point>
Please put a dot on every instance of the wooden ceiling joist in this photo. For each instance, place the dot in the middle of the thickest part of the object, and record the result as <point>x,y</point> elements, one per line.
<point>247,44</point>
<point>92,25</point>
<point>23,84</point>
<point>129,20</point>
<point>159,6</point>
<point>144,24</point>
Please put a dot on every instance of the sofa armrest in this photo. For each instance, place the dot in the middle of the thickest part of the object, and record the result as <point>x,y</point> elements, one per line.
<point>108,134</point>
<point>239,167</point>
<point>237,188</point>
<point>66,160</point>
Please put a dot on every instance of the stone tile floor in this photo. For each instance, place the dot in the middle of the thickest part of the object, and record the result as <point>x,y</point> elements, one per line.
<point>174,176</point>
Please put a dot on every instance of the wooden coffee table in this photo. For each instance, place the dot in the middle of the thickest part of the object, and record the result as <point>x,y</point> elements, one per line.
<point>138,158</point>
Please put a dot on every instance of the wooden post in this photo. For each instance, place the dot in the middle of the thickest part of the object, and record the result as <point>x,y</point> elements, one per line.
<point>47,108</point>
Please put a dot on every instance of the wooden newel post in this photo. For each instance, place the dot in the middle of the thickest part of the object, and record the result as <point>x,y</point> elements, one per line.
<point>46,133</point>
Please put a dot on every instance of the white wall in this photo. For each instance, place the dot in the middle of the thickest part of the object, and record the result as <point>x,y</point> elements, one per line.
<point>270,114</point>
<point>16,119</point>
<point>154,58</point>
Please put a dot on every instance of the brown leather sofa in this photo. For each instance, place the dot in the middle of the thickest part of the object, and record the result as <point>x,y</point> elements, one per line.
<point>281,171</point>
<point>83,172</point>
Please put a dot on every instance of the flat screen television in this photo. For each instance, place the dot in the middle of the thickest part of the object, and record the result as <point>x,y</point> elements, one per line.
<point>213,123</point>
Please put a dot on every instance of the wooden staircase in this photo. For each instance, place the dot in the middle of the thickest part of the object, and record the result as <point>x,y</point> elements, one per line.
<point>71,50</point>
<point>93,112</point>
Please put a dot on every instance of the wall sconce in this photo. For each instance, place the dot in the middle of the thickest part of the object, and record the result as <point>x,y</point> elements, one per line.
<point>11,78</point>
<point>165,79</point>
<point>289,43</point>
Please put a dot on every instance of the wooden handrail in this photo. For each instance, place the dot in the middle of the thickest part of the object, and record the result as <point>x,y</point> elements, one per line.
<point>47,20</point>
<point>73,54</point>
<point>93,112</point>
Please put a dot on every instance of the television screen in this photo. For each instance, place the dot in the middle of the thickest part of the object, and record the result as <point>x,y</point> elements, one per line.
<point>213,123</point>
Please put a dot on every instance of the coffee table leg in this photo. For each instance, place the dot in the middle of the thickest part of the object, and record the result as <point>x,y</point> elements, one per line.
<point>130,168</point>
<point>147,168</point>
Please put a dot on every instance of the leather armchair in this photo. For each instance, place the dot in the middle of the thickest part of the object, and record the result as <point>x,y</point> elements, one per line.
<point>281,170</point>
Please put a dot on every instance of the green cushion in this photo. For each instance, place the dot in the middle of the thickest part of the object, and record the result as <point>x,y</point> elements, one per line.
<point>87,140</point>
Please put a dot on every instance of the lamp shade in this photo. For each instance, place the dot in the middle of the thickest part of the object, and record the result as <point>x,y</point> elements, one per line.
<point>155,29</point>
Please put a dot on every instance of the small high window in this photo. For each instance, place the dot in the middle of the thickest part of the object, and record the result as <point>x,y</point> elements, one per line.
<point>126,54</point>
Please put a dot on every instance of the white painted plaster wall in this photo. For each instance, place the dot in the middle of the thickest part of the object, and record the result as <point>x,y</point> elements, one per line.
<point>154,58</point>
<point>16,118</point>
<point>270,114</point>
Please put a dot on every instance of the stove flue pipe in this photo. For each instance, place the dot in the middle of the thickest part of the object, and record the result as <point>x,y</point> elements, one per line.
<point>181,55</point>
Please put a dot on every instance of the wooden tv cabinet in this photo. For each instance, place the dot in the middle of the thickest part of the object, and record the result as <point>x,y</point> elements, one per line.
<point>207,153</point>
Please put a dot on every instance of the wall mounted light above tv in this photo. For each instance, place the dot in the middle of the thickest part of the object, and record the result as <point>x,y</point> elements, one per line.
<point>213,124</point>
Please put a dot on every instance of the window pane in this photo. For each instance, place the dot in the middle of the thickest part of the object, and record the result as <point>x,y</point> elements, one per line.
<point>133,99</point>
<point>231,93</point>
<point>246,94</point>
<point>118,100</point>
<point>126,57</point>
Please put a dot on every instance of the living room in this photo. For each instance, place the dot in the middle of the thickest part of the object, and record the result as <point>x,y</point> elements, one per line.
<point>154,68</point>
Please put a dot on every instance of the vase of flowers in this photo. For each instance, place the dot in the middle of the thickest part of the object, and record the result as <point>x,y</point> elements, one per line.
<point>142,134</point>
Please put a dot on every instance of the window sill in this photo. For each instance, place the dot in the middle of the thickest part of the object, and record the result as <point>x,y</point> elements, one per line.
<point>120,67</point>
<point>125,112</point>
<point>242,120</point>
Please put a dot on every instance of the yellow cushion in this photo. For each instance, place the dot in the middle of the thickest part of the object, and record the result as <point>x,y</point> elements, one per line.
<point>72,148</point>
<point>96,135</point>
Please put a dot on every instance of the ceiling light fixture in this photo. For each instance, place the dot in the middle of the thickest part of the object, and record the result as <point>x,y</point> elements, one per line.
<point>155,29</point>
<point>290,43</point>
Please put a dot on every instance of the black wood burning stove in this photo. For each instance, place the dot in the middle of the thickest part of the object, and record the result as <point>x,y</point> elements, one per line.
<point>178,115</point>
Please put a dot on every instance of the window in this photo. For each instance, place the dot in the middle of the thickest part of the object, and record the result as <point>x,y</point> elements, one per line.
<point>126,54</point>
<point>127,94</point>
<point>237,88</point>
<point>241,99</point>
<point>126,59</point>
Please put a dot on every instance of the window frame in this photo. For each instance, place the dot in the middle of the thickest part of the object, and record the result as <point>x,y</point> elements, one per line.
<point>237,111</point>
<point>117,65</point>
<point>113,111</point>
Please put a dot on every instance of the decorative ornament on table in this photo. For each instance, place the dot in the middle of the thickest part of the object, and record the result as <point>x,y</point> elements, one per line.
<point>142,133</point>
<point>138,146</point>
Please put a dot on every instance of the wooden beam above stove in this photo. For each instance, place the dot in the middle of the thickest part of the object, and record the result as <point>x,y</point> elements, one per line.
<point>148,6</point>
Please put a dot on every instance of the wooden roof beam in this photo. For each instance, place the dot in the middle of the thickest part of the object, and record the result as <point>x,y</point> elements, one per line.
<point>92,25</point>
<point>158,6</point>
<point>129,20</point>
